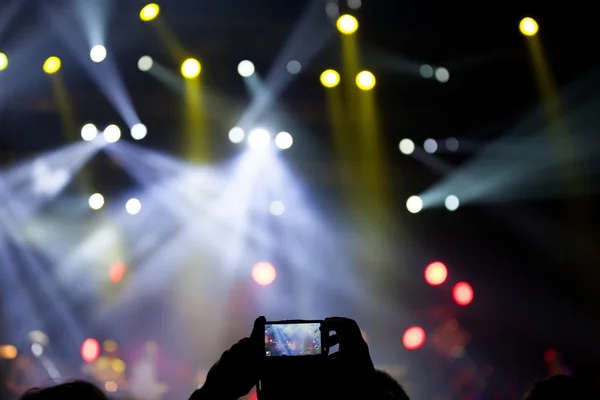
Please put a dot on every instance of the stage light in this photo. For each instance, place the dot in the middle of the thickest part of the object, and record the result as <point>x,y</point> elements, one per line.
<point>133,206</point>
<point>355,4</point>
<point>89,132</point>
<point>330,78</point>
<point>110,346</point>
<point>117,270</point>
<point>436,273</point>
<point>37,349</point>
<point>149,12</point>
<point>52,65</point>
<point>118,365</point>
<point>347,24</point>
<point>284,140</point>
<point>3,61</point>
<point>145,63</point>
<point>452,203</point>
<point>90,350</point>
<point>246,68</point>
<point>430,146</point>
<point>413,338</point>
<point>426,71</point>
<point>139,131</point>
<point>452,144</point>
<point>442,75</point>
<point>264,273</point>
<point>414,204</point>
<point>277,208</point>
<point>111,386</point>
<point>365,80</point>
<point>98,53</point>
<point>259,139</point>
<point>8,352</point>
<point>236,135</point>
<point>528,26</point>
<point>191,68</point>
<point>463,294</point>
<point>294,67</point>
<point>96,201</point>
<point>407,146</point>
<point>112,134</point>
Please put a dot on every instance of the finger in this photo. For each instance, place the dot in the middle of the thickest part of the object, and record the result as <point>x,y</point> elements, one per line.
<point>333,340</point>
<point>258,331</point>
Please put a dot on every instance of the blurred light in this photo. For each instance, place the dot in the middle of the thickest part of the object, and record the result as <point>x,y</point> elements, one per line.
<point>332,9</point>
<point>294,67</point>
<point>413,338</point>
<point>354,4</point>
<point>112,134</point>
<point>52,65</point>
<point>365,80</point>
<point>37,349</point>
<point>246,68</point>
<point>145,63</point>
<point>236,135</point>
<point>430,146</point>
<point>284,140</point>
<point>364,336</point>
<point>264,273</point>
<point>259,139</point>
<point>452,203</point>
<point>436,273</point>
<point>442,75</point>
<point>3,61</point>
<point>111,386</point>
<point>89,132</point>
<point>550,355</point>
<point>96,201</point>
<point>191,68</point>
<point>277,208</point>
<point>38,337</point>
<point>347,24</point>
<point>426,71</point>
<point>8,352</point>
<point>414,204</point>
<point>139,131</point>
<point>463,294</point>
<point>407,146</point>
<point>118,365</point>
<point>98,53</point>
<point>117,271</point>
<point>149,12</point>
<point>133,206</point>
<point>90,350</point>
<point>452,144</point>
<point>330,78</point>
<point>528,26</point>
<point>110,346</point>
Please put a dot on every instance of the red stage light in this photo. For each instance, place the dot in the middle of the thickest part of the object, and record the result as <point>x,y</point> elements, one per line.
<point>463,293</point>
<point>413,338</point>
<point>90,350</point>
<point>117,271</point>
<point>264,273</point>
<point>436,273</point>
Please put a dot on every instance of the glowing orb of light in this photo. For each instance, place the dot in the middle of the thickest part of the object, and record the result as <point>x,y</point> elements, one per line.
<point>89,132</point>
<point>3,61</point>
<point>236,135</point>
<point>365,80</point>
<point>528,26</point>
<point>347,24</point>
<point>117,271</point>
<point>407,146</point>
<point>139,131</point>
<point>149,12</point>
<point>191,68</point>
<point>436,273</point>
<point>145,63</point>
<point>96,201</point>
<point>133,206</point>
<point>330,78</point>
<point>52,65</point>
<point>413,338</point>
<point>112,134</point>
<point>463,294</point>
<point>259,139</point>
<point>284,140</point>
<point>414,204</point>
<point>264,273</point>
<point>246,69</point>
<point>98,53</point>
<point>90,350</point>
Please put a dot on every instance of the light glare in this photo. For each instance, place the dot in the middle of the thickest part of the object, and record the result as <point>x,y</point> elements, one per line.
<point>145,63</point>
<point>236,135</point>
<point>284,140</point>
<point>442,75</point>
<point>112,134</point>
<point>430,146</point>
<point>407,146</point>
<point>139,131</point>
<point>330,78</point>
<point>98,53</point>
<point>133,206</point>
<point>414,204</point>
<point>191,68</point>
<point>347,24</point>
<point>365,80</point>
<point>277,208</point>
<point>96,201</point>
<point>294,67</point>
<point>3,61</point>
<point>149,12</point>
<point>246,68</point>
<point>452,203</point>
<point>528,26</point>
<point>52,65</point>
<point>259,139</point>
<point>89,132</point>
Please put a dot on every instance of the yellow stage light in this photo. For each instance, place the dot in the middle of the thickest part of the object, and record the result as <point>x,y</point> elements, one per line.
<point>330,78</point>
<point>3,61</point>
<point>149,12</point>
<point>52,65</point>
<point>347,24</point>
<point>365,80</point>
<point>191,68</point>
<point>528,26</point>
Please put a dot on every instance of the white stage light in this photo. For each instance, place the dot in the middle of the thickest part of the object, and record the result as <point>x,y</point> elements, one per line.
<point>37,349</point>
<point>426,71</point>
<point>246,68</point>
<point>145,63</point>
<point>236,135</point>
<point>89,132</point>
<point>133,206</point>
<point>430,146</point>
<point>414,204</point>
<point>294,67</point>
<point>442,75</point>
<point>112,134</point>
<point>96,201</point>
<point>407,146</point>
<point>452,203</point>
<point>139,131</point>
<point>277,208</point>
<point>98,53</point>
<point>284,140</point>
<point>259,139</point>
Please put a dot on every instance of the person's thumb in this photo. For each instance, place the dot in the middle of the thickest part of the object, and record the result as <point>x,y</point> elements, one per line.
<point>258,330</point>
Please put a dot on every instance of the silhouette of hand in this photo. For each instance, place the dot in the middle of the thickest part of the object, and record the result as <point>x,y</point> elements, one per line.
<point>236,372</point>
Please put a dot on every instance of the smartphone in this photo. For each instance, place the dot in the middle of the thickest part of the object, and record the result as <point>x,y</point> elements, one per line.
<point>297,338</point>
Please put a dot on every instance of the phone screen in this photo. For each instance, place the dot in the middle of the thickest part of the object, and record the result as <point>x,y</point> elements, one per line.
<point>302,339</point>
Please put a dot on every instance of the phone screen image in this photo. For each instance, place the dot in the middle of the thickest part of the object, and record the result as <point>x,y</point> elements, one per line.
<point>303,339</point>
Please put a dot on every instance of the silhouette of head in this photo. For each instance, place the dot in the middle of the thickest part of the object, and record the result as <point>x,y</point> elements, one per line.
<point>75,390</point>
<point>560,387</point>
<point>390,386</point>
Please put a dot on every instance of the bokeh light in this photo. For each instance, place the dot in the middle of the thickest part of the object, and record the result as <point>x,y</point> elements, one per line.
<point>277,208</point>
<point>89,132</point>
<point>365,80</point>
<point>133,206</point>
<point>139,131</point>
<point>294,67</point>
<point>118,365</point>
<point>8,352</point>
<point>463,293</point>
<point>96,201</point>
<point>112,134</point>
<point>528,26</point>
<point>145,63</point>
<point>436,273</point>
<point>452,144</point>
<point>414,204</point>
<point>426,71</point>
<point>37,349</point>
<point>149,12</point>
<point>347,24</point>
<point>236,135</point>
<point>284,140</point>
<point>246,68</point>
<point>111,386</point>
<point>110,346</point>
<point>413,338</point>
<point>90,350</point>
<point>442,75</point>
<point>3,61</point>
<point>52,65</point>
<point>330,78</point>
<point>98,53</point>
<point>264,273</point>
<point>430,146</point>
<point>259,139</point>
<point>191,68</point>
<point>407,146</point>
<point>452,203</point>
<point>117,270</point>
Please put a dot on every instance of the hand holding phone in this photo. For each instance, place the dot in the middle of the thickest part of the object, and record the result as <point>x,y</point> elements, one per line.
<point>293,338</point>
